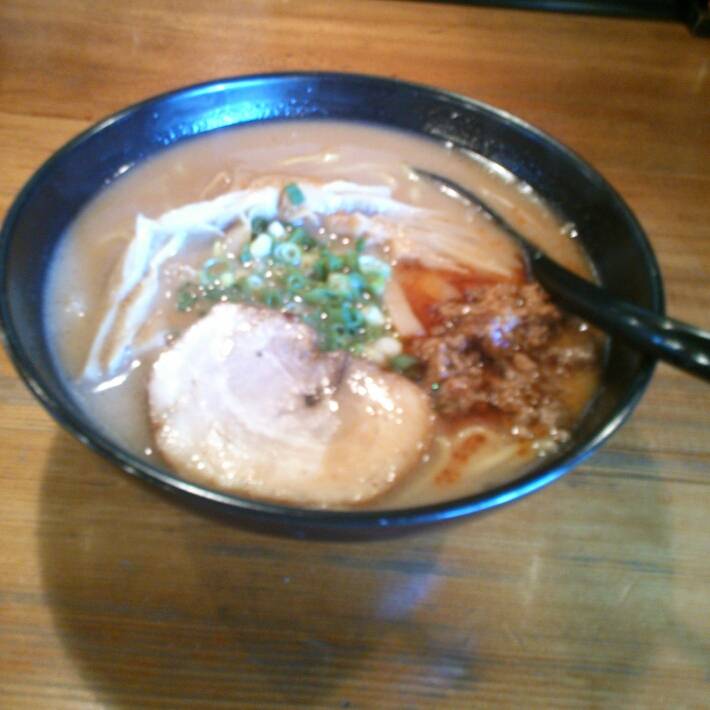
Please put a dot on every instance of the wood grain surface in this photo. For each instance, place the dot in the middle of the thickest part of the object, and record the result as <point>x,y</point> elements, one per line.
<point>592,593</point>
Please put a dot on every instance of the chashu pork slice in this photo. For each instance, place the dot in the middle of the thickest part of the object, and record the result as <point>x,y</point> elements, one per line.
<point>244,401</point>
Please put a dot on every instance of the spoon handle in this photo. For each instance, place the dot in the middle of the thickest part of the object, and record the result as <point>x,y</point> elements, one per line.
<point>680,344</point>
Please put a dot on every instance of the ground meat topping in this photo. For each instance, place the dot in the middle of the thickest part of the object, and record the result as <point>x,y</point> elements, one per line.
<point>499,350</point>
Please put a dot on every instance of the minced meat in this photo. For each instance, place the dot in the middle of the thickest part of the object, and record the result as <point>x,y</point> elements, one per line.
<point>498,349</point>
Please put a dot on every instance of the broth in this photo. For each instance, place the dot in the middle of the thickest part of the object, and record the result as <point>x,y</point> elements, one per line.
<point>468,455</point>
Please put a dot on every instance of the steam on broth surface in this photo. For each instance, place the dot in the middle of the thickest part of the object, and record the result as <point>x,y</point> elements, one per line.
<point>431,367</point>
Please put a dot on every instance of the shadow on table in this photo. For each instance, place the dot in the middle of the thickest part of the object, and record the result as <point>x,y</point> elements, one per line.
<point>161,605</point>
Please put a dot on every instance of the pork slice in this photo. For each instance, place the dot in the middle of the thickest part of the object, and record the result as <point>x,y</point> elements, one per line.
<point>245,402</point>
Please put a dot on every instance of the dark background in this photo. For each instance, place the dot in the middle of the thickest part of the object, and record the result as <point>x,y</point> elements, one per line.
<point>694,13</point>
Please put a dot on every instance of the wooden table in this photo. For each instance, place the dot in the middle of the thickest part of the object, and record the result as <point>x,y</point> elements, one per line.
<point>592,593</point>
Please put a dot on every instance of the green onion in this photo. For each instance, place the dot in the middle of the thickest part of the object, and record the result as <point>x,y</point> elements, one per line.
<point>308,260</point>
<point>213,271</point>
<point>295,194</point>
<point>320,269</point>
<point>272,298</point>
<point>187,296</point>
<point>301,237</point>
<point>339,284</point>
<point>214,294</point>
<point>336,339</point>
<point>227,279</point>
<point>357,283</point>
<point>373,316</point>
<point>352,318</point>
<point>246,256</point>
<point>276,229</point>
<point>254,282</point>
<point>349,261</point>
<point>335,262</point>
<point>288,253</point>
<point>404,362</point>
<point>377,285</point>
<point>317,296</point>
<point>296,282</point>
<point>259,225</point>
<point>372,266</point>
<point>338,293</point>
<point>261,246</point>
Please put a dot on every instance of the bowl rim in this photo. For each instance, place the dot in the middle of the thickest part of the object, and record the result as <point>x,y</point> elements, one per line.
<point>521,486</point>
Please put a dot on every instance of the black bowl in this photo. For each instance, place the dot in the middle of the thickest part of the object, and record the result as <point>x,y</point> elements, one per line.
<point>609,232</point>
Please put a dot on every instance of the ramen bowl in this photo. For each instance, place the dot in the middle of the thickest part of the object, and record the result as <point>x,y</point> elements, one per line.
<point>608,232</point>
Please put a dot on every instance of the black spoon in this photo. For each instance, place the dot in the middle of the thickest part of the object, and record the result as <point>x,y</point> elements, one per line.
<point>670,340</point>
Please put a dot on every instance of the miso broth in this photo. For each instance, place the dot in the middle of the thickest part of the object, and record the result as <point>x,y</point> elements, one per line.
<point>475,441</point>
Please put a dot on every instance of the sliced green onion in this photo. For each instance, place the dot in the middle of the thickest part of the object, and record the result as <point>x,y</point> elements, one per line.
<point>246,256</point>
<point>295,194</point>
<point>308,260</point>
<point>336,339</point>
<point>254,282</point>
<point>301,237</point>
<point>317,296</point>
<point>259,225</point>
<point>338,293</point>
<point>227,279</point>
<point>339,284</point>
<point>271,297</point>
<point>261,246</point>
<point>404,362</point>
<point>276,229</point>
<point>373,316</point>
<point>357,283</point>
<point>335,262</point>
<point>353,319</point>
<point>296,282</point>
<point>213,271</point>
<point>187,296</point>
<point>288,253</point>
<point>349,261</point>
<point>372,266</point>
<point>320,269</point>
<point>377,285</point>
<point>214,294</point>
